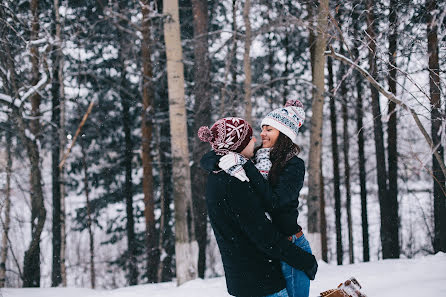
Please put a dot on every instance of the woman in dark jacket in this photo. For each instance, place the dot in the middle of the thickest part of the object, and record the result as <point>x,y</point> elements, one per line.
<point>278,177</point>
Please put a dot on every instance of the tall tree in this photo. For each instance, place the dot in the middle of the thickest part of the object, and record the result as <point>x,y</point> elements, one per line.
<point>247,60</point>
<point>6,218</point>
<point>335,159</point>
<point>360,133</point>
<point>31,264</point>
<point>392,136</point>
<point>146,129</point>
<point>436,124</point>
<point>314,174</point>
<point>126,102</point>
<point>56,275</point>
<point>346,151</point>
<point>386,232</point>
<point>89,216</point>
<point>202,117</point>
<point>186,247</point>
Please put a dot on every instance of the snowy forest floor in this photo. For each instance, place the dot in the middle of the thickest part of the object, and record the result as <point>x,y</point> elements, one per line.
<point>421,277</point>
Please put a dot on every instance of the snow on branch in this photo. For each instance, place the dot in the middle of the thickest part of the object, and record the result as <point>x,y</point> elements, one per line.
<point>35,88</point>
<point>392,98</point>
<point>17,102</point>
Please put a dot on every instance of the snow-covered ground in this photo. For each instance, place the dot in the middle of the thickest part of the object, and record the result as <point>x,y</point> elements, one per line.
<point>422,277</point>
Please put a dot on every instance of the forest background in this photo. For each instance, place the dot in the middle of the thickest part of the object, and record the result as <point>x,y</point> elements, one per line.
<point>100,102</point>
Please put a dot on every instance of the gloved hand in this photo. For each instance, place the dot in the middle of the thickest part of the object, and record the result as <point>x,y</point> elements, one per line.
<point>311,272</point>
<point>263,163</point>
<point>232,164</point>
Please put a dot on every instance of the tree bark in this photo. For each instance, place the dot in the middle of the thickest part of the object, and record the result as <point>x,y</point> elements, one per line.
<point>324,240</point>
<point>186,247</point>
<point>146,128</point>
<point>62,143</point>
<point>126,102</point>
<point>247,61</point>
<point>56,277</point>
<point>386,236</point>
<point>314,220</point>
<point>31,263</point>
<point>202,117</point>
<point>335,158</point>
<point>128,156</point>
<point>346,152</point>
<point>7,210</point>
<point>361,154</point>
<point>89,220</point>
<point>392,137</point>
<point>436,123</point>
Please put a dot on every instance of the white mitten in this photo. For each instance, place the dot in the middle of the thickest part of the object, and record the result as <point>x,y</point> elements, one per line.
<point>232,164</point>
<point>263,163</point>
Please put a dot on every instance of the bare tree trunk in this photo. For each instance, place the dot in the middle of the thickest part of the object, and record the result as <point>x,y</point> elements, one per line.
<point>163,206</point>
<point>7,210</point>
<point>126,102</point>
<point>56,277</point>
<point>335,158</point>
<point>346,151</point>
<point>362,171</point>
<point>247,61</point>
<point>324,240</point>
<point>186,247</point>
<point>202,108</point>
<point>379,138</point>
<point>314,220</point>
<point>392,137</point>
<point>230,62</point>
<point>31,266</point>
<point>62,143</point>
<point>89,220</point>
<point>146,128</point>
<point>128,156</point>
<point>361,155</point>
<point>436,123</point>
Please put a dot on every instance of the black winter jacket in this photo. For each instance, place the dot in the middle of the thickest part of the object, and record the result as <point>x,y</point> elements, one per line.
<point>251,246</point>
<point>281,200</point>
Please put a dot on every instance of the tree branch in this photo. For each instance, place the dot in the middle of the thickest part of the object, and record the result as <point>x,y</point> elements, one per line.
<point>392,98</point>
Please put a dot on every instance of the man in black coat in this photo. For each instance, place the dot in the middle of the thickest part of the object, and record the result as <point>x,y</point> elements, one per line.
<point>250,246</point>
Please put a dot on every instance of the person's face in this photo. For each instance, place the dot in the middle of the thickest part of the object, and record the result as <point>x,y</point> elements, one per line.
<point>248,151</point>
<point>269,136</point>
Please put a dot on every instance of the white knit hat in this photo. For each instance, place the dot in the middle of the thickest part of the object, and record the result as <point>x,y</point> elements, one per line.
<point>287,119</point>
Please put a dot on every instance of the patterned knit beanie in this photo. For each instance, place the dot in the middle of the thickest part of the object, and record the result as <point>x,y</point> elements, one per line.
<point>227,135</point>
<point>287,119</point>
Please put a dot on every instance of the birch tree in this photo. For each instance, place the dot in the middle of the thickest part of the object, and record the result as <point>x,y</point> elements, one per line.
<point>186,247</point>
<point>247,61</point>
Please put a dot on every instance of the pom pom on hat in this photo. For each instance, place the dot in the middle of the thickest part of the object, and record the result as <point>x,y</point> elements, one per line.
<point>295,103</point>
<point>205,134</point>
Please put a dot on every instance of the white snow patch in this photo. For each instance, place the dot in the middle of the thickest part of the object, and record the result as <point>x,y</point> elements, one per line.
<point>393,278</point>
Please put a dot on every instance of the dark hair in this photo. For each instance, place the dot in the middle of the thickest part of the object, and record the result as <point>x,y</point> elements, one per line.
<point>282,151</point>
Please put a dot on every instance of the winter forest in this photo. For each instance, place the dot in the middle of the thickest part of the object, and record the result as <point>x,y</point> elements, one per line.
<point>100,103</point>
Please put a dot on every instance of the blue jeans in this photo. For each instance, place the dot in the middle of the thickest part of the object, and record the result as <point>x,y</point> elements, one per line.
<point>282,293</point>
<point>297,282</point>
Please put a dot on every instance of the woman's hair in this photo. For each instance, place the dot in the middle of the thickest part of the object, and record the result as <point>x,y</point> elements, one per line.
<point>283,150</point>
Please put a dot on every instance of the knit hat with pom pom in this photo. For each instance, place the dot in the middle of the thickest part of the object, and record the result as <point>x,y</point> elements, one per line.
<point>227,135</point>
<point>287,119</point>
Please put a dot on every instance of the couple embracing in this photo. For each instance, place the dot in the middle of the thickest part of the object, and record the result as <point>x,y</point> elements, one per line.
<point>252,199</point>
